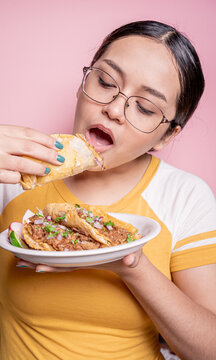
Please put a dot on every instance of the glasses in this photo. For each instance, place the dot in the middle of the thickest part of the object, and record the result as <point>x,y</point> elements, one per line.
<point>140,112</point>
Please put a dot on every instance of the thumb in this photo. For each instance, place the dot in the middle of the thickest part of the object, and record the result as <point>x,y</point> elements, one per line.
<point>130,260</point>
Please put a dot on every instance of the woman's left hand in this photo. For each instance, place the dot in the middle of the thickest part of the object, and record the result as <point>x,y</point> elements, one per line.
<point>120,267</point>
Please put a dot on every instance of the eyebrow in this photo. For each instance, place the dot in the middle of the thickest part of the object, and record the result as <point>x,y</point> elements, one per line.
<point>150,90</point>
<point>114,66</point>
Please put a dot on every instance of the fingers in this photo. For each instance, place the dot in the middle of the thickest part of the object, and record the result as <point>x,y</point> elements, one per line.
<point>25,264</point>
<point>16,143</point>
<point>9,177</point>
<point>16,146</point>
<point>132,260</point>
<point>10,164</point>
<point>27,134</point>
<point>24,165</point>
<point>45,268</point>
<point>40,268</point>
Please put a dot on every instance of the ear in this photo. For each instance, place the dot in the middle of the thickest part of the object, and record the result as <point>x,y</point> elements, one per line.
<point>166,139</point>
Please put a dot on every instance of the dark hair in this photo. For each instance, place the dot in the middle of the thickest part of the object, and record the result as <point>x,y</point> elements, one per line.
<point>190,72</point>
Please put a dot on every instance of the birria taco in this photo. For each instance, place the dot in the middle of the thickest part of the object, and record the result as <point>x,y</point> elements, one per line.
<point>79,156</point>
<point>65,227</point>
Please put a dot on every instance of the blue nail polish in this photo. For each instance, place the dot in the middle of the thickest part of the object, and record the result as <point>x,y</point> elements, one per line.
<point>58,145</point>
<point>60,158</point>
<point>47,170</point>
<point>39,271</point>
<point>22,266</point>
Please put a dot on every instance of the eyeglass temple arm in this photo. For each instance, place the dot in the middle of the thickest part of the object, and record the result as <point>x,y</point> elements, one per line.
<point>165,120</point>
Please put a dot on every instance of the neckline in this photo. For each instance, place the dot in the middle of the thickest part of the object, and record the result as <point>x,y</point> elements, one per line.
<point>119,205</point>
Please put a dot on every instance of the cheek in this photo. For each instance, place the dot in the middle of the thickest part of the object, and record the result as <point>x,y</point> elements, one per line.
<point>138,144</point>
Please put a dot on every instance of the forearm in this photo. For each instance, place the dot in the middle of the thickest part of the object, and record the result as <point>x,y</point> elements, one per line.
<point>188,328</point>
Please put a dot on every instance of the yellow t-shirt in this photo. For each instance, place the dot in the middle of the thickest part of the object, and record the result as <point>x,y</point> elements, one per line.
<point>91,314</point>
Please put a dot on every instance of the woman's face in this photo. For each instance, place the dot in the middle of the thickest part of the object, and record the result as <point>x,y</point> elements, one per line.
<point>141,67</point>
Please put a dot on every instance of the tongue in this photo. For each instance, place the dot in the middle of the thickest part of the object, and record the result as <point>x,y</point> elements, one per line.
<point>99,138</point>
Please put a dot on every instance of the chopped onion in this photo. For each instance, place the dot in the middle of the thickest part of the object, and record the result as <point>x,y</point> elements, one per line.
<point>97,161</point>
<point>40,212</point>
<point>62,227</point>
<point>38,221</point>
<point>59,237</point>
<point>61,213</point>
<point>26,216</point>
<point>85,211</point>
<point>98,225</point>
<point>109,227</point>
<point>100,218</point>
<point>90,215</point>
<point>48,217</point>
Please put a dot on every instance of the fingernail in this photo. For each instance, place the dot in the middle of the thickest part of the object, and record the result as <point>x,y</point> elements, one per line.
<point>60,158</point>
<point>58,145</point>
<point>39,271</point>
<point>22,266</point>
<point>47,170</point>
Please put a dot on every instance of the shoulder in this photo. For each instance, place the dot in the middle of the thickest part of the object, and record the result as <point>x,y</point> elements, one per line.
<point>171,184</point>
<point>180,199</point>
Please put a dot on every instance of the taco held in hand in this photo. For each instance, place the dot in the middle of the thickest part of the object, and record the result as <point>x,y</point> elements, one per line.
<point>64,227</point>
<point>79,156</point>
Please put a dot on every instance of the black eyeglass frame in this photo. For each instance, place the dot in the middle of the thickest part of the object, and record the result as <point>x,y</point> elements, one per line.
<point>164,119</point>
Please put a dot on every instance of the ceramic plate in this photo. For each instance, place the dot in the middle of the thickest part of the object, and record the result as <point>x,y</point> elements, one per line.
<point>147,227</point>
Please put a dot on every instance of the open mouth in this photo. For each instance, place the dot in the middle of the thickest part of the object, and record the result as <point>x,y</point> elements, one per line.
<point>99,137</point>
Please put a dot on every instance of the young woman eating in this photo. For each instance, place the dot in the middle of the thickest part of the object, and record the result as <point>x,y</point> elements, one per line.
<point>142,87</point>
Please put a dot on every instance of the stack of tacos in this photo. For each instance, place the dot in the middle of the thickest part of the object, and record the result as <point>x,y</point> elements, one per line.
<point>66,227</point>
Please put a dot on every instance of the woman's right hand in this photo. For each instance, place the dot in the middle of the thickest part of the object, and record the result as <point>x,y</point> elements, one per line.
<point>16,141</point>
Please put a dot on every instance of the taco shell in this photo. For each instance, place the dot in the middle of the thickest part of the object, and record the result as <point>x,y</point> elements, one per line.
<point>79,156</point>
<point>73,219</point>
<point>26,232</point>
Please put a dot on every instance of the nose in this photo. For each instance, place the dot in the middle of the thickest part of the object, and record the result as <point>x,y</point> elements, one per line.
<point>115,109</point>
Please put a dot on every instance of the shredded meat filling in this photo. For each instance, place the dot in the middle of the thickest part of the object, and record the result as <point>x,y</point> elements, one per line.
<point>116,235</point>
<point>60,238</point>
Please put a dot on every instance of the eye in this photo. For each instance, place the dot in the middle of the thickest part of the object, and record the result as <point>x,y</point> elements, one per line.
<point>144,110</point>
<point>105,84</point>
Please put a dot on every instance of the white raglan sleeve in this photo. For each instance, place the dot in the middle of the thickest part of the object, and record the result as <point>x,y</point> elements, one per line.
<point>194,238</point>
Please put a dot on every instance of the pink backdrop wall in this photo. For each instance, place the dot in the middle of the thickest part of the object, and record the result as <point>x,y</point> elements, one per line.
<point>45,43</point>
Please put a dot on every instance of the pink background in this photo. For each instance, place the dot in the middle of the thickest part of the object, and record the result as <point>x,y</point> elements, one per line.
<point>45,43</point>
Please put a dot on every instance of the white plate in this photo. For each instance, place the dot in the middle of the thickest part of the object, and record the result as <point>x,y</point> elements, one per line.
<point>148,228</point>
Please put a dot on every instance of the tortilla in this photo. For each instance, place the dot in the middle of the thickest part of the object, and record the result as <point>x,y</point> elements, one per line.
<point>32,243</point>
<point>79,156</point>
<point>84,217</point>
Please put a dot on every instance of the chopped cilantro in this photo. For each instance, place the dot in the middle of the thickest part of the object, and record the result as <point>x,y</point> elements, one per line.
<point>89,220</point>
<point>50,228</point>
<point>65,234</point>
<point>129,238</point>
<point>52,234</point>
<point>77,205</point>
<point>74,241</point>
<point>59,218</point>
<point>89,212</point>
<point>110,223</point>
<point>39,214</point>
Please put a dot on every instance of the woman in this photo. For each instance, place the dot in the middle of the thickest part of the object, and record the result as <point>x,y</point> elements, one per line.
<point>143,85</point>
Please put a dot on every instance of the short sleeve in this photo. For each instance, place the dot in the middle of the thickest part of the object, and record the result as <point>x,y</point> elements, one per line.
<point>7,193</point>
<point>194,243</point>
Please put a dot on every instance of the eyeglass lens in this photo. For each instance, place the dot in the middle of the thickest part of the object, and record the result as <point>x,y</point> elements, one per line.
<point>140,112</point>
